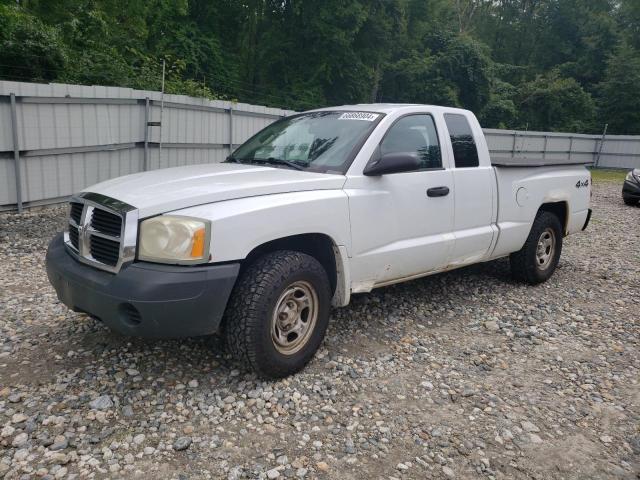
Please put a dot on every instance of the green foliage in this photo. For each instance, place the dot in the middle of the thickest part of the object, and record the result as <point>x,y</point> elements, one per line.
<point>500,111</point>
<point>543,64</point>
<point>620,91</point>
<point>555,103</point>
<point>29,49</point>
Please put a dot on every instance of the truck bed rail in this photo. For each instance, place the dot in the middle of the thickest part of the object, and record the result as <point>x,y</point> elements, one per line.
<point>535,162</point>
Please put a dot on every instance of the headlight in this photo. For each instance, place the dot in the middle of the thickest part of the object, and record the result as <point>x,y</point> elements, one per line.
<point>629,176</point>
<point>174,239</point>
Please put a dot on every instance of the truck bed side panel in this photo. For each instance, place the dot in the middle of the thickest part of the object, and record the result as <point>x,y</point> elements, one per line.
<point>521,193</point>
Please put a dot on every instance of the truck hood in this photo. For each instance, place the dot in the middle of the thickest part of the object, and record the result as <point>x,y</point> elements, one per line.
<point>168,189</point>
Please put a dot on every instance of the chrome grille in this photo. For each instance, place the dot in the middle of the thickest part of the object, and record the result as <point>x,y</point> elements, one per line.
<point>102,231</point>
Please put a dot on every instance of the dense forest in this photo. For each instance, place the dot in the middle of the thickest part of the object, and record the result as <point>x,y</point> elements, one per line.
<point>563,65</point>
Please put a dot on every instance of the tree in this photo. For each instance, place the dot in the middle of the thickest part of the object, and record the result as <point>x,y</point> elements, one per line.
<point>619,101</point>
<point>628,16</point>
<point>515,63</point>
<point>552,102</point>
<point>29,50</point>
<point>500,111</point>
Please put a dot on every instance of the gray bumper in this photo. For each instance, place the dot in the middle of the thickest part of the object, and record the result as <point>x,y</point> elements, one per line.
<point>144,299</point>
<point>631,190</point>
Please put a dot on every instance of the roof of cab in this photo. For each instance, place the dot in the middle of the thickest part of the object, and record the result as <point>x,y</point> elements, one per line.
<point>386,107</point>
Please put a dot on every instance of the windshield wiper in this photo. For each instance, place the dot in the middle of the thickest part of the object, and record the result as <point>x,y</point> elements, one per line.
<point>231,159</point>
<point>278,161</point>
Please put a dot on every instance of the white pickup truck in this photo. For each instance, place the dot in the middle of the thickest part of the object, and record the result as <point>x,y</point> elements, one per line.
<point>310,210</point>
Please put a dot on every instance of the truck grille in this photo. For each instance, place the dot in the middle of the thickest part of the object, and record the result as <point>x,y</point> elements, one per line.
<point>73,236</point>
<point>96,231</point>
<point>76,212</point>
<point>106,222</point>
<point>105,251</point>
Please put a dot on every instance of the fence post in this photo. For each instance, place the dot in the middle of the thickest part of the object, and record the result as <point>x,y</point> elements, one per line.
<point>230,129</point>
<point>544,149</point>
<point>513,147</point>
<point>604,135</point>
<point>570,146</point>
<point>16,152</point>
<point>145,164</point>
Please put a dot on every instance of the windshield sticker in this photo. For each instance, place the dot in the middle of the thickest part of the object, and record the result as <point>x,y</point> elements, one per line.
<point>366,116</point>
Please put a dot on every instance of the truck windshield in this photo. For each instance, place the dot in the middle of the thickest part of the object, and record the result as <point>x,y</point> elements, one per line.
<point>317,141</point>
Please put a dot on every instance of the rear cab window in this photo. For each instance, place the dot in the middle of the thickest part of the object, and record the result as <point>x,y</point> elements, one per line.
<point>465,152</point>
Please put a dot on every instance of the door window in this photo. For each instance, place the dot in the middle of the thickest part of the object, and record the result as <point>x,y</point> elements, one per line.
<point>465,152</point>
<point>414,134</point>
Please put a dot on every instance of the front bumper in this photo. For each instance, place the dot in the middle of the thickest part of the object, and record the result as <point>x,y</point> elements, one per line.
<point>631,190</point>
<point>144,299</point>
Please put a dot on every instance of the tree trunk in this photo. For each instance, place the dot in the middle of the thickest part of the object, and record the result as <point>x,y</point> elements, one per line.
<point>377,74</point>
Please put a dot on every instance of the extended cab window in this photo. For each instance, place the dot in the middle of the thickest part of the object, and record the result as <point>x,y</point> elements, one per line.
<point>465,152</point>
<point>415,134</point>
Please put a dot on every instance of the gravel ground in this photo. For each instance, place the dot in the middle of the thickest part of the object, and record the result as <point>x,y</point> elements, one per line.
<point>461,375</point>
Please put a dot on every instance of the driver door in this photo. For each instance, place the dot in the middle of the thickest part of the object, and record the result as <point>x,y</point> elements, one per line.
<point>400,228</point>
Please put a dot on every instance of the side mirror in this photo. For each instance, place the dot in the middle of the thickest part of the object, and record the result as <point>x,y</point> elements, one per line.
<point>391,163</point>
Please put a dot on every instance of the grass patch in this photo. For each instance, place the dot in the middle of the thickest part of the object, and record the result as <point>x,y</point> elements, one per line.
<point>608,175</point>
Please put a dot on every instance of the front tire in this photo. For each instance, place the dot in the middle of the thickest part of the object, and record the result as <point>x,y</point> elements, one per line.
<point>278,313</point>
<point>536,261</point>
<point>632,202</point>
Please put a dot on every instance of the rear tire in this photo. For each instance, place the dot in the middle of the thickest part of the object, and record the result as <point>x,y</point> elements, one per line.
<point>278,313</point>
<point>536,261</point>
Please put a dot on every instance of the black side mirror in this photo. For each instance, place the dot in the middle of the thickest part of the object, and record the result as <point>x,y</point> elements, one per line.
<point>391,163</point>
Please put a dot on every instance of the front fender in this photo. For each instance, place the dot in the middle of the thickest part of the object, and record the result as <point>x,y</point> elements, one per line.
<point>241,225</point>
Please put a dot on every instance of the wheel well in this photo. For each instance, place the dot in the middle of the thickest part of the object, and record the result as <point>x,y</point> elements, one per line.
<point>317,245</point>
<point>559,209</point>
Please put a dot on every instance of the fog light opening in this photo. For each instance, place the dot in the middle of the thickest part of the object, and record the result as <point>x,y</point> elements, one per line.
<point>130,315</point>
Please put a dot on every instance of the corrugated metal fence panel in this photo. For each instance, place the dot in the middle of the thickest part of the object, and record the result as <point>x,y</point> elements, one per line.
<point>245,127</point>
<point>55,176</point>
<point>7,182</point>
<point>6,142</point>
<point>180,156</point>
<point>498,139</point>
<point>7,171</point>
<point>617,151</point>
<point>73,136</point>
<point>44,126</point>
<point>620,151</point>
<point>180,125</point>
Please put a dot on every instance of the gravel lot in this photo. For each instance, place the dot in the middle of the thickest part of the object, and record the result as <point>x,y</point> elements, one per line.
<point>461,375</point>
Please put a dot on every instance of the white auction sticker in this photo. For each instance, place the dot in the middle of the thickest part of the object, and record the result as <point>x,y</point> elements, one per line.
<point>366,116</point>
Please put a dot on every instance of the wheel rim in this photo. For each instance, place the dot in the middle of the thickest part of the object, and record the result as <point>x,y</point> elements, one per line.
<point>294,317</point>
<point>546,249</point>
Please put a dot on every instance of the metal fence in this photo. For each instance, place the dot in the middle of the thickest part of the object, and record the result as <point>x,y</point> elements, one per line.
<point>604,151</point>
<point>57,139</point>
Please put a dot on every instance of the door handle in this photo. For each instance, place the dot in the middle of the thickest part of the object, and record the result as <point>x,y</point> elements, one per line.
<point>438,192</point>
